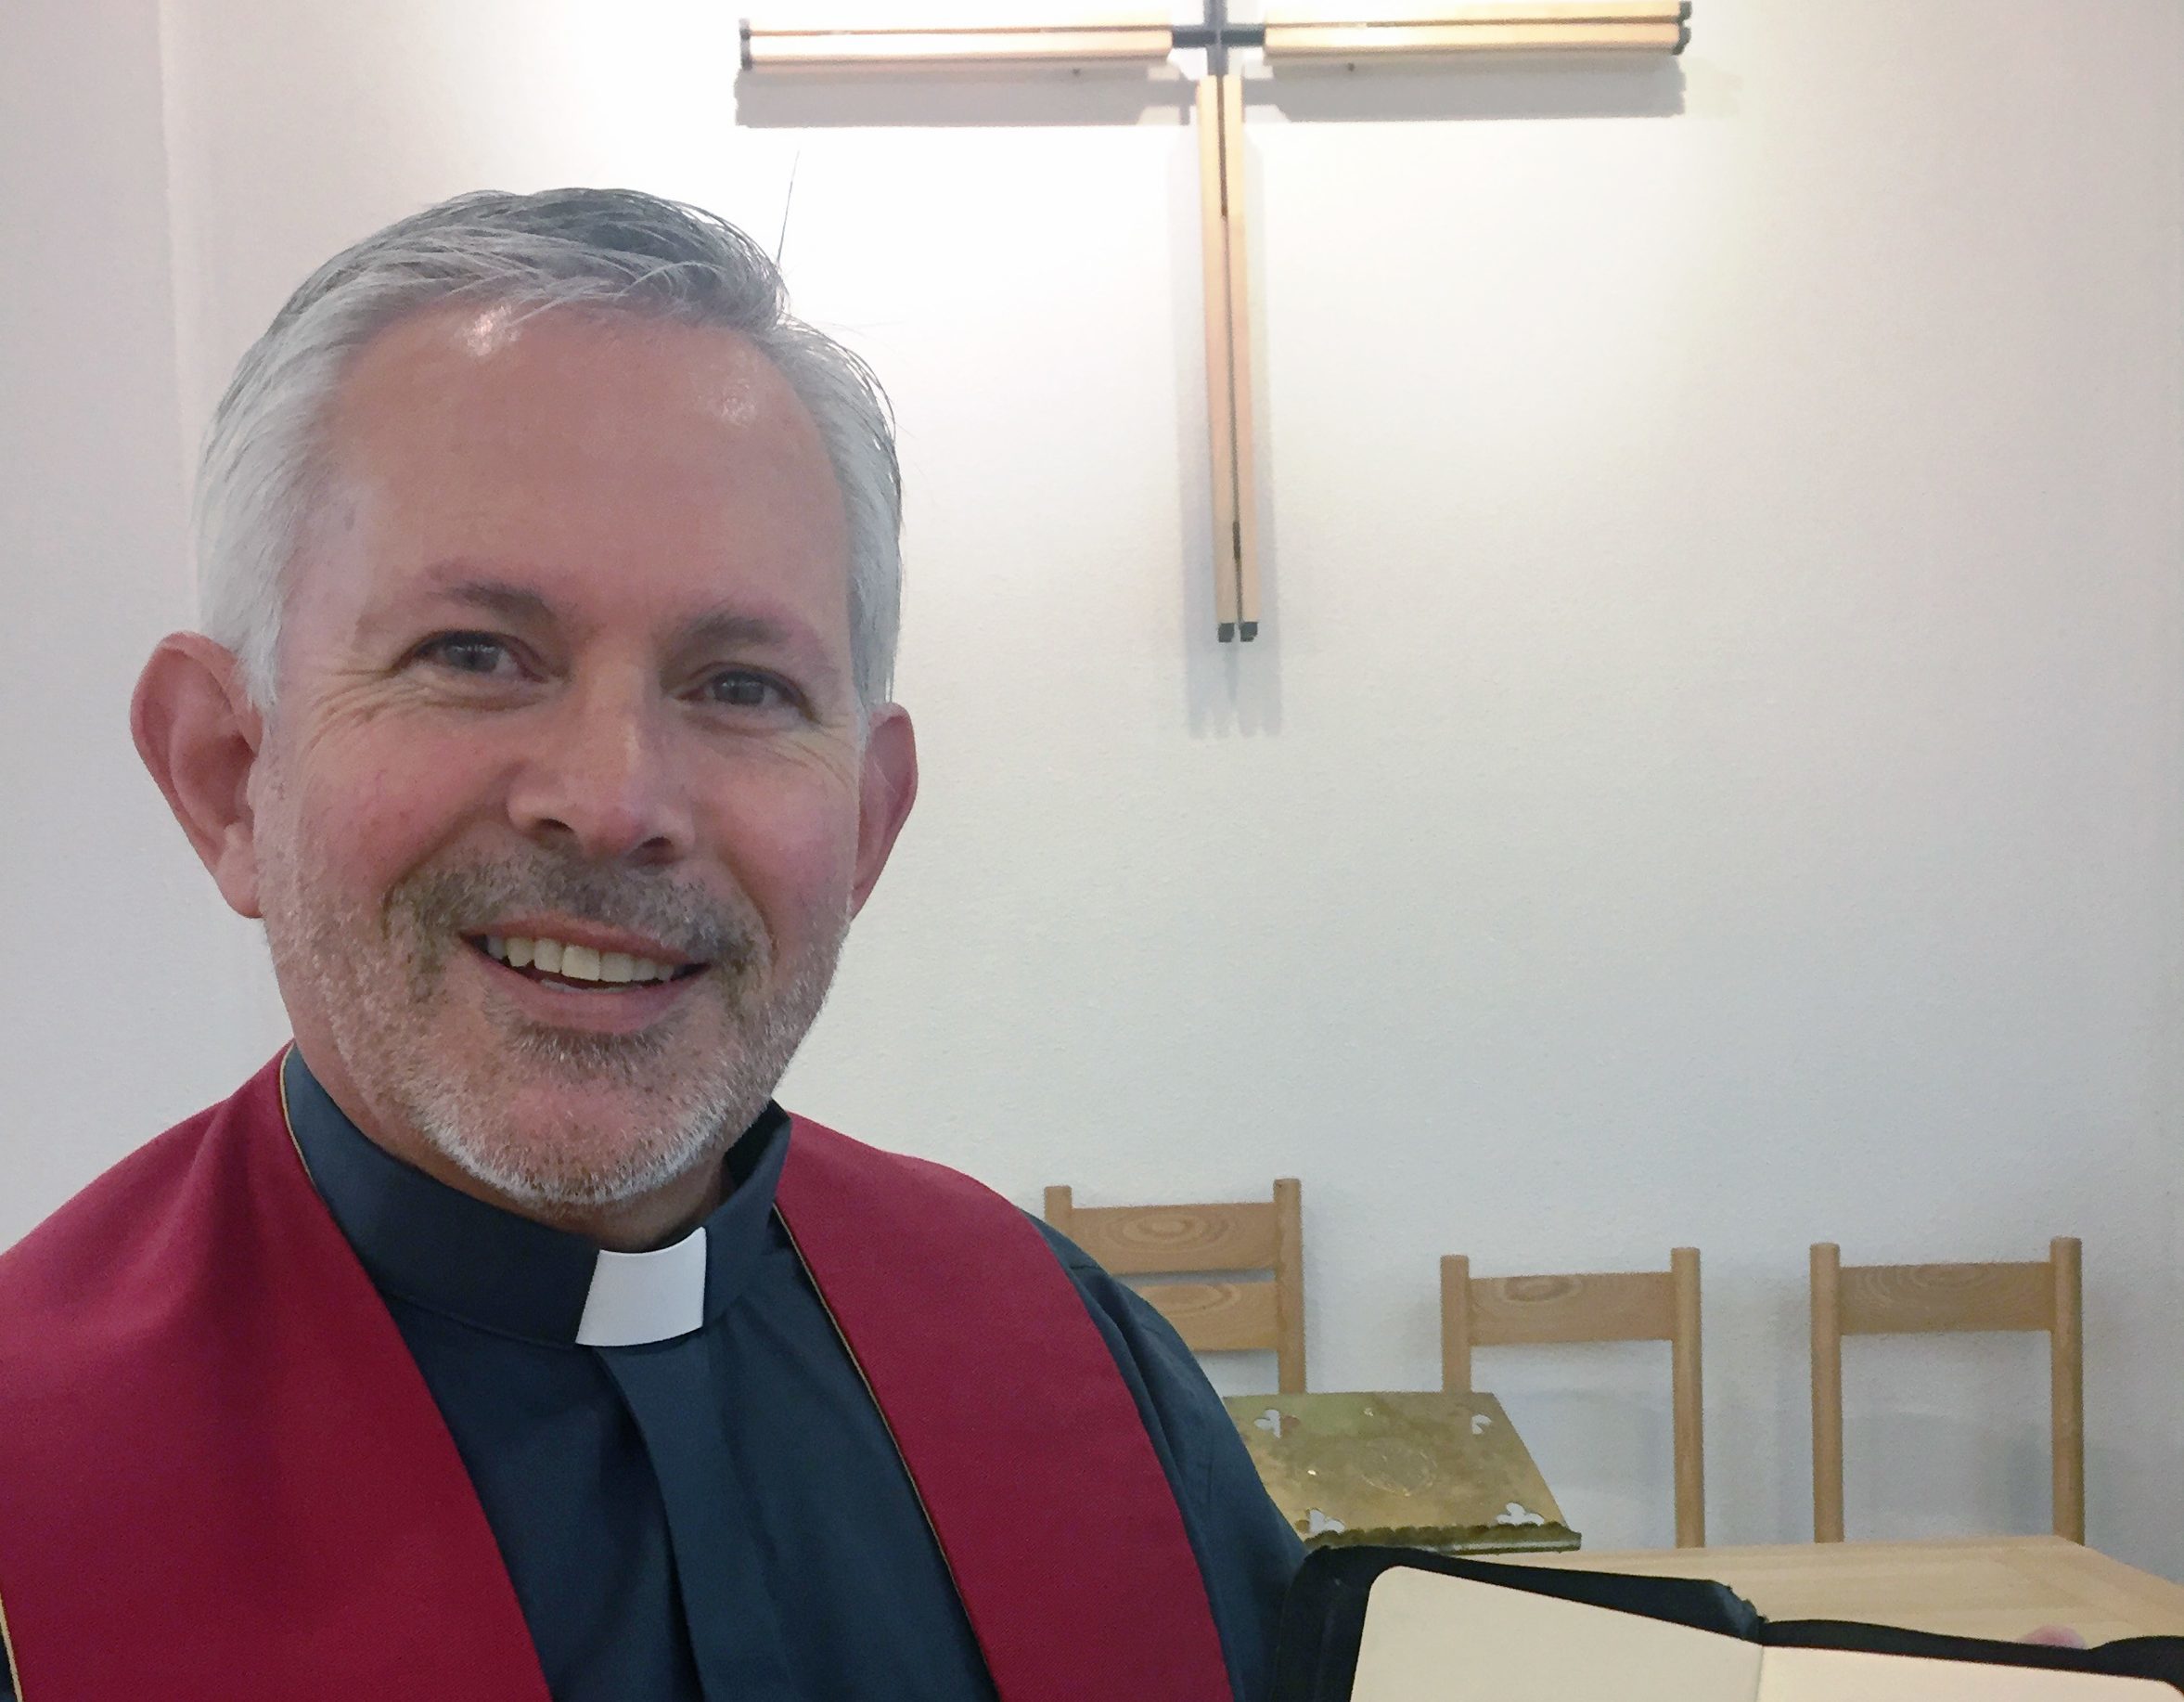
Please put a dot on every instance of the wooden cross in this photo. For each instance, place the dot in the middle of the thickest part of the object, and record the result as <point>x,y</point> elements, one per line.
<point>1299,34</point>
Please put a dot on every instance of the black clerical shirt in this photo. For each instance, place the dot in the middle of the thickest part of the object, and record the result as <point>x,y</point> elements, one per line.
<point>723,1514</point>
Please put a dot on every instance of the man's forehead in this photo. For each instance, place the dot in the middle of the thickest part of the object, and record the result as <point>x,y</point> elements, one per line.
<point>478,351</point>
<point>553,407</point>
<point>571,457</point>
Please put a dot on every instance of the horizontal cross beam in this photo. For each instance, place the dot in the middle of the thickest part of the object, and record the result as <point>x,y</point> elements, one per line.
<point>1542,26</point>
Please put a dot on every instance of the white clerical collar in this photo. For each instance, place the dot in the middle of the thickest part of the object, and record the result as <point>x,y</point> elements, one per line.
<point>639,1297</point>
<point>428,1244</point>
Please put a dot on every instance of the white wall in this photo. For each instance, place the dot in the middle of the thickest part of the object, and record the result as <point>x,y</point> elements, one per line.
<point>1712,774</point>
<point>132,998</point>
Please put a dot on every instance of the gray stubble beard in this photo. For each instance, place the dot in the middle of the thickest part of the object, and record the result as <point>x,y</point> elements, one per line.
<point>381,1026</point>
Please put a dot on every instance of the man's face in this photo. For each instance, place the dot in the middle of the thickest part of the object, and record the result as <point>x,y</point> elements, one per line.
<point>566,662</point>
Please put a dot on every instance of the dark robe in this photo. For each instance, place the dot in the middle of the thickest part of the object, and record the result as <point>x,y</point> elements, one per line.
<point>723,1512</point>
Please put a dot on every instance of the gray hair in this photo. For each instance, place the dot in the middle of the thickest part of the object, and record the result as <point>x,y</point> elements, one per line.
<point>262,470</point>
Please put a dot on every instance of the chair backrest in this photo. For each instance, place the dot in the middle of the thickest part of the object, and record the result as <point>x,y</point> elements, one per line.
<point>1907,1299</point>
<point>1643,1306</point>
<point>1229,1240</point>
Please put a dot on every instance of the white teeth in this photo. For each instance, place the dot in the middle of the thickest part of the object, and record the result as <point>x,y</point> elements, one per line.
<point>575,962</point>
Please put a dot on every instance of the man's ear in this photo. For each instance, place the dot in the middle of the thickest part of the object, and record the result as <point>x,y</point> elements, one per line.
<point>198,734</point>
<point>888,788</point>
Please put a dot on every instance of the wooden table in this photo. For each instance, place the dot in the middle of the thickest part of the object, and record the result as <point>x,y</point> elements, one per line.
<point>1971,1587</point>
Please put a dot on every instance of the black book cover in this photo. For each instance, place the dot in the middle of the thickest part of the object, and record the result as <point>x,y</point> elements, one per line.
<point>1323,1622</point>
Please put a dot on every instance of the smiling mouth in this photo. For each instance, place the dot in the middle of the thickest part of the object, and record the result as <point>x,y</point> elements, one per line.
<point>557,963</point>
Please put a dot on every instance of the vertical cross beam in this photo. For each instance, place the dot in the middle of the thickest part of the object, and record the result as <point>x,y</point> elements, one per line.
<point>1228,354</point>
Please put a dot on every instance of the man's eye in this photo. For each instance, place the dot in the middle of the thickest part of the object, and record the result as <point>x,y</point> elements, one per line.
<point>737,689</point>
<point>468,653</point>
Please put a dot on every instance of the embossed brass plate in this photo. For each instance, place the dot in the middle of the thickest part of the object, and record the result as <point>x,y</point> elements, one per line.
<point>1444,1472</point>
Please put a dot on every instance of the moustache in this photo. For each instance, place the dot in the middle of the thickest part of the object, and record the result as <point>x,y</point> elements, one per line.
<point>466,899</point>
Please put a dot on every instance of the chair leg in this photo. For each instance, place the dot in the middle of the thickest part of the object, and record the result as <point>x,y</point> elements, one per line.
<point>2067,1389</point>
<point>1827,1393</point>
<point>1289,1278</point>
<point>1689,1400</point>
<point>1456,1324</point>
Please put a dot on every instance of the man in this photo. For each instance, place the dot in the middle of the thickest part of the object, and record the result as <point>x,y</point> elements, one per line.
<point>502,1340</point>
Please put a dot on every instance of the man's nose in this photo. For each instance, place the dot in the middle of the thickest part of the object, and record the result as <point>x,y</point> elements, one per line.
<point>602,779</point>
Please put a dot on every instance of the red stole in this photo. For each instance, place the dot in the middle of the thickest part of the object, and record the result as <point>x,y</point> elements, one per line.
<point>221,1474</point>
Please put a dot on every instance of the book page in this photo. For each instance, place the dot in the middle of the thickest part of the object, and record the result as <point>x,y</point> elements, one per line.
<point>1853,1675</point>
<point>1432,1638</point>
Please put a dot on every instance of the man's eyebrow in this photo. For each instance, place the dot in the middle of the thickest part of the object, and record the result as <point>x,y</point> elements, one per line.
<point>512,603</point>
<point>729,630</point>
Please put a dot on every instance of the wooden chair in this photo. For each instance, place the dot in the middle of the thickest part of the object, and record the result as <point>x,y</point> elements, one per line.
<point>1645,1306</point>
<point>1906,1299</point>
<point>1212,1316</point>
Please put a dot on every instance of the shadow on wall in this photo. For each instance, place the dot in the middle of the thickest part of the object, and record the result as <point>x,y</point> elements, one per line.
<point>1008,96</point>
<point>1559,86</point>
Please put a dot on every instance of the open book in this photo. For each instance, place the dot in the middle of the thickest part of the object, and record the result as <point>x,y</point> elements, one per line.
<point>1397,1625</point>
